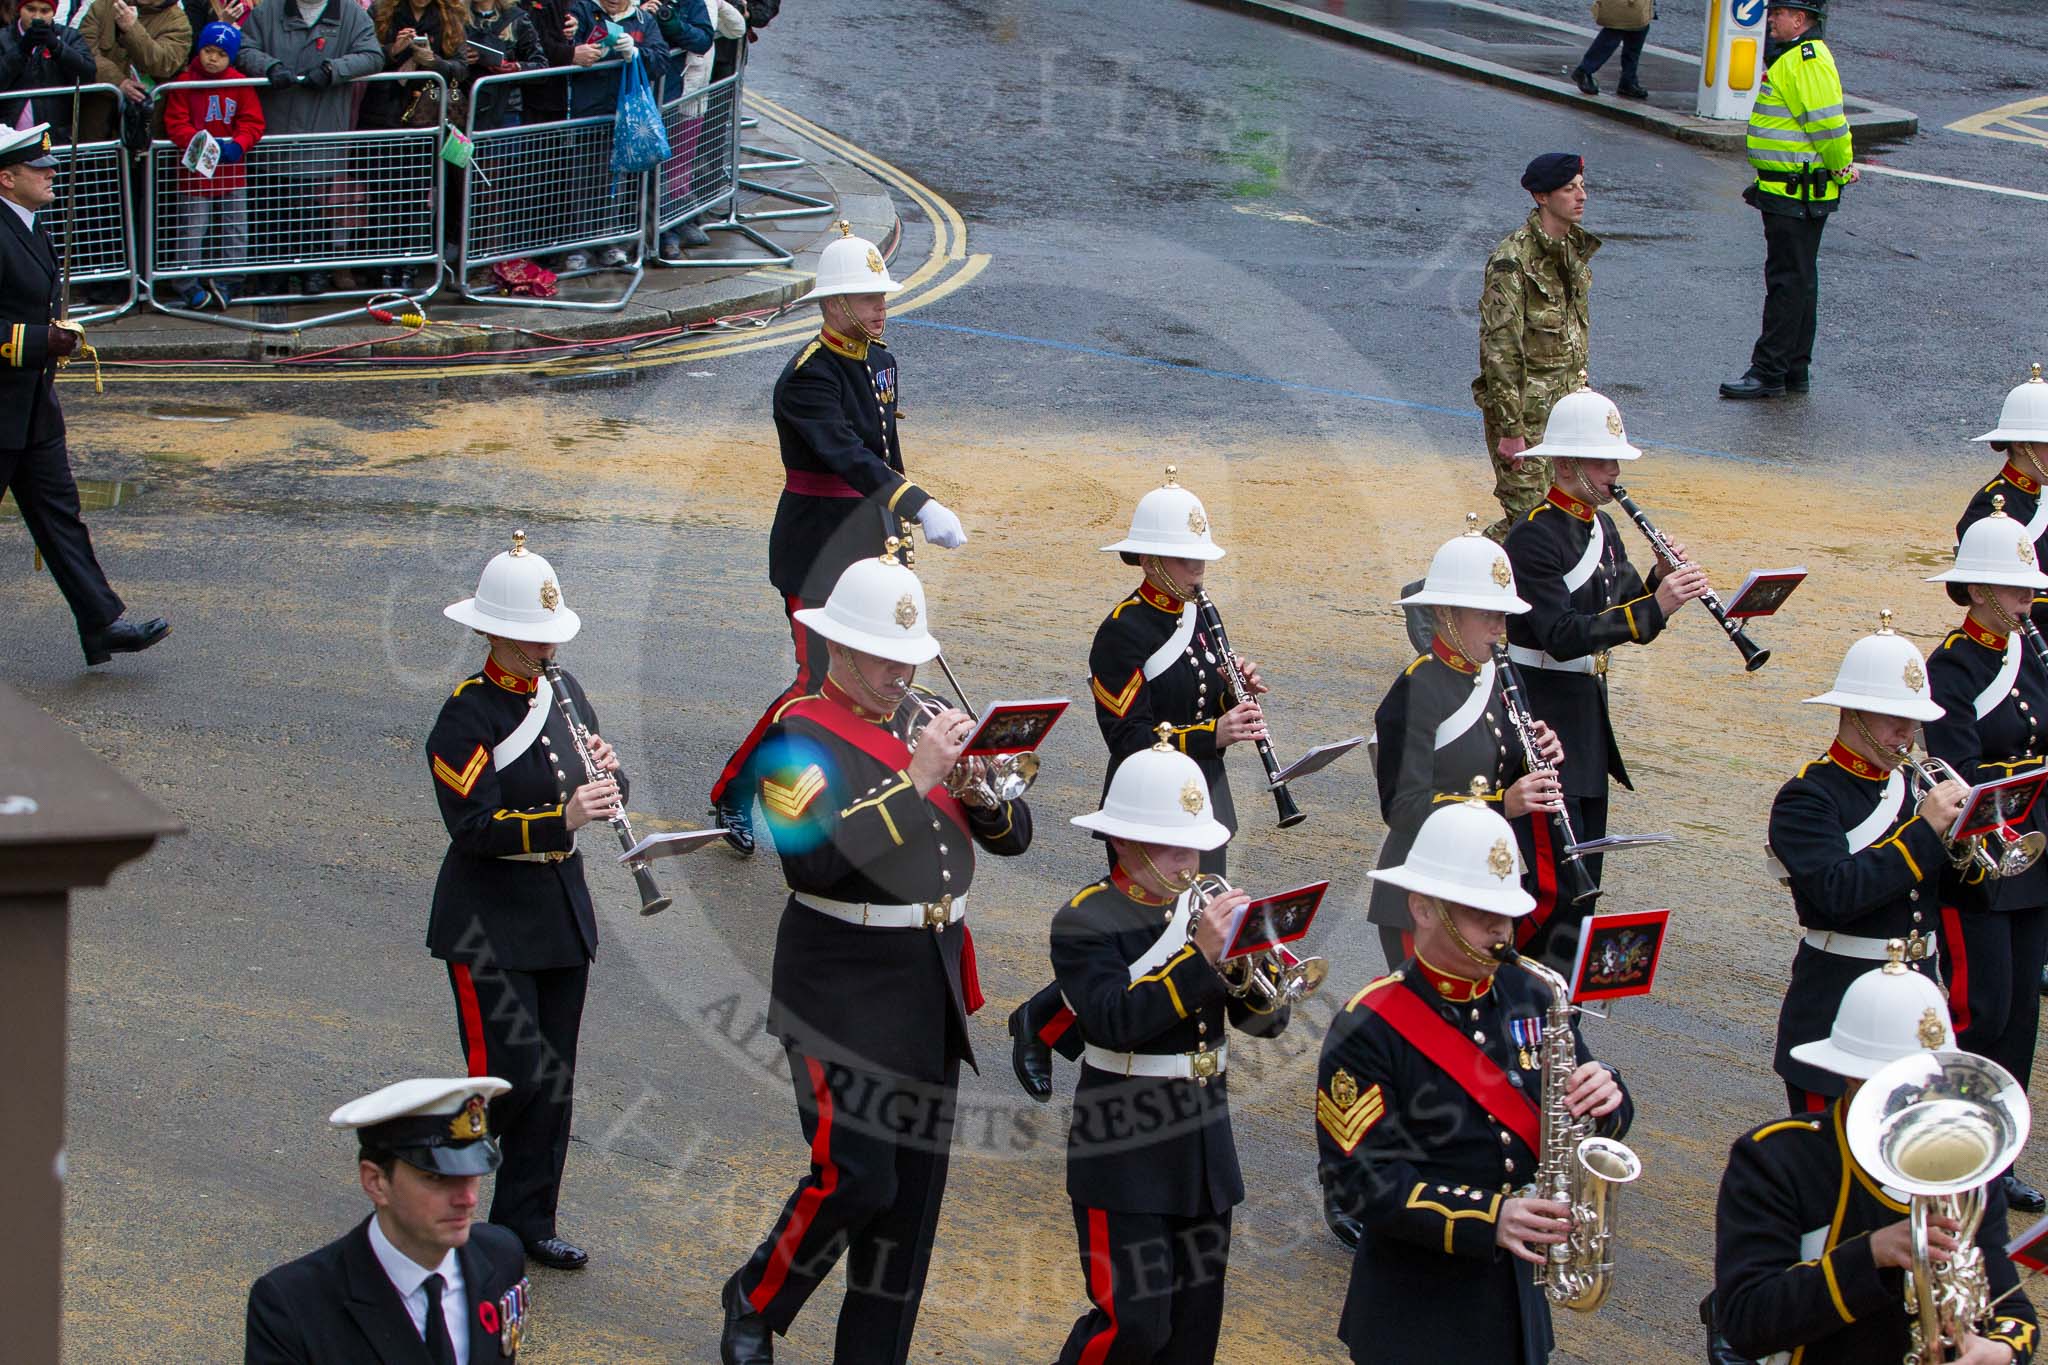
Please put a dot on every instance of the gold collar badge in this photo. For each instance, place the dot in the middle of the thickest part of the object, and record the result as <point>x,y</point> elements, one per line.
<point>906,611</point>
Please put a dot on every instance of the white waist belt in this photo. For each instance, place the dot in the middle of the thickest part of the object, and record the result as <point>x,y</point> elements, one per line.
<point>1918,945</point>
<point>1179,1066</point>
<point>1536,658</point>
<point>948,909</point>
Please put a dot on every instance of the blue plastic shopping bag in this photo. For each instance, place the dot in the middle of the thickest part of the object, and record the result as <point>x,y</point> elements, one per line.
<point>639,141</point>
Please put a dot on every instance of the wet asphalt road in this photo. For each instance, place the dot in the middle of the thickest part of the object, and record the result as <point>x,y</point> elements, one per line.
<point>1211,240</point>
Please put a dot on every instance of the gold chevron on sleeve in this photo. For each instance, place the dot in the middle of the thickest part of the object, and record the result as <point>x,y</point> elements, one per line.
<point>464,782</point>
<point>1347,1125</point>
<point>788,801</point>
<point>1118,703</point>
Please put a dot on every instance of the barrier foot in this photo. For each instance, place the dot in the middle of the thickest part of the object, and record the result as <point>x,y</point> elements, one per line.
<point>805,205</point>
<point>770,161</point>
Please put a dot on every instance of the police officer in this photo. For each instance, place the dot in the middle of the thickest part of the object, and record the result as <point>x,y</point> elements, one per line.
<point>874,973</point>
<point>1151,663</point>
<point>34,463</point>
<point>1584,598</point>
<point>415,1270</point>
<point>1864,858</point>
<point>1993,686</point>
<point>1808,1246</point>
<point>2021,436</point>
<point>512,917</point>
<point>1533,329</point>
<point>844,490</point>
<point>1427,1123</point>
<point>1799,146</point>
<point>1151,1164</point>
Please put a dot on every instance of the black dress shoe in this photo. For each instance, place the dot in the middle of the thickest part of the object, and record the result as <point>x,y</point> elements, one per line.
<point>1583,79</point>
<point>746,1339</point>
<point>1749,386</point>
<point>738,824</point>
<point>557,1254</point>
<point>1797,383</point>
<point>122,637</point>
<point>1629,90</point>
<point>2022,1196</point>
<point>1030,1058</point>
<point>693,235</point>
<point>1344,1226</point>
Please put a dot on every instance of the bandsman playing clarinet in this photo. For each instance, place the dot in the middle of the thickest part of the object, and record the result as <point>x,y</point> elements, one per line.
<point>1810,1249</point>
<point>874,973</point>
<point>1151,1165</point>
<point>1585,598</point>
<point>1863,849</point>
<point>1427,1121</point>
<point>512,917</point>
<point>2021,436</point>
<point>1151,664</point>
<point>1992,682</point>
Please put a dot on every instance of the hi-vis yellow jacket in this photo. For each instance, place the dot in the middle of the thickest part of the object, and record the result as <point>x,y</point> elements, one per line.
<point>1798,133</point>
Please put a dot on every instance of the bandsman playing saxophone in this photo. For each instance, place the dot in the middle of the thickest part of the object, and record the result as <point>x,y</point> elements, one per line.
<point>1427,1115</point>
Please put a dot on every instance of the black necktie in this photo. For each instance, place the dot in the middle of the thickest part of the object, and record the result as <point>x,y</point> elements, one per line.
<point>440,1349</point>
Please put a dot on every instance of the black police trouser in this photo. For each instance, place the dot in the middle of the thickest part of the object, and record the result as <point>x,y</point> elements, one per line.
<point>39,476</point>
<point>1993,965</point>
<point>1555,942</point>
<point>521,1027</point>
<point>880,1145</point>
<point>1156,1285</point>
<point>1791,297</point>
<point>1629,40</point>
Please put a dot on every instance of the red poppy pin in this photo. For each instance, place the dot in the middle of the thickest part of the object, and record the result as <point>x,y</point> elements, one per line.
<point>487,1316</point>
<point>319,44</point>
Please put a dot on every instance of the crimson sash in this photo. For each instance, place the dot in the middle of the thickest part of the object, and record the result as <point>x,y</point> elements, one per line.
<point>1458,1057</point>
<point>878,742</point>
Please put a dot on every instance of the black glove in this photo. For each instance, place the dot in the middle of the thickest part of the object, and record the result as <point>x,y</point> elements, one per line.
<point>280,75</point>
<point>321,76</point>
<point>38,30</point>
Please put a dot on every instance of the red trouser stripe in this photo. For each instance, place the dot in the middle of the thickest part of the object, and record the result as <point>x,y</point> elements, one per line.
<point>1546,882</point>
<point>472,1020</point>
<point>814,1194</point>
<point>1056,1027</point>
<point>803,684</point>
<point>1958,969</point>
<point>1101,1288</point>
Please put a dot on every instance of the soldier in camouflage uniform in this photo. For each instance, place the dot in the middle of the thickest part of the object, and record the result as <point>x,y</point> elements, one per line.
<point>1533,329</point>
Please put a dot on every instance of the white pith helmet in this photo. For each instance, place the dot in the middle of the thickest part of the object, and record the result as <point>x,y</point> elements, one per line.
<point>1465,853</point>
<point>1159,796</point>
<point>2025,414</point>
<point>518,598</point>
<point>1169,521</point>
<point>850,265</point>
<point>1996,550</point>
<point>1885,1014</point>
<point>1585,425</point>
<point>1882,673</point>
<point>876,607</point>
<point>1470,571</point>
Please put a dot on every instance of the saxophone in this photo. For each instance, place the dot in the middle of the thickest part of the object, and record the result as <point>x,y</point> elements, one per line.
<point>1575,1167</point>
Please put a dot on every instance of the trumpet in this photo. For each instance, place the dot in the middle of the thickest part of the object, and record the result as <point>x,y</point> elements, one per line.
<point>1754,656</point>
<point>984,783</point>
<point>1270,977</point>
<point>2002,852</point>
<point>652,899</point>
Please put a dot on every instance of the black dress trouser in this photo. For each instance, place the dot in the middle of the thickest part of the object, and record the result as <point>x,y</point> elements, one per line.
<point>1155,1283</point>
<point>1791,297</point>
<point>39,476</point>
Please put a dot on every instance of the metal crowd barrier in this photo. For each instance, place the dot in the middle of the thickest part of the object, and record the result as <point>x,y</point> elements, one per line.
<point>92,192</point>
<point>367,200</point>
<point>802,205</point>
<point>702,174</point>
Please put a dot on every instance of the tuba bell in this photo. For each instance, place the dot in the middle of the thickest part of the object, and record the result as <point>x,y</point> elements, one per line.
<point>1270,977</point>
<point>1940,1126</point>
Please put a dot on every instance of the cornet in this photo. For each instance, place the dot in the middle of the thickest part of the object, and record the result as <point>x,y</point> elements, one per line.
<point>1270,977</point>
<point>980,782</point>
<point>2001,852</point>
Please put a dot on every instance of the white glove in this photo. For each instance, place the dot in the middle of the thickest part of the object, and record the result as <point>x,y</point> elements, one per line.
<point>941,527</point>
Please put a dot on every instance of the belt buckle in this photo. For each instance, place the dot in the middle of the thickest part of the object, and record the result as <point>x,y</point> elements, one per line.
<point>1600,663</point>
<point>939,913</point>
<point>555,856</point>
<point>1204,1064</point>
<point>1916,946</point>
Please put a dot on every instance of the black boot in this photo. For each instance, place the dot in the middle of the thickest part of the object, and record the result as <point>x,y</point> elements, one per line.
<point>122,637</point>
<point>738,824</point>
<point>1749,386</point>
<point>746,1338</point>
<point>1029,1057</point>
<point>1630,90</point>
<point>1584,80</point>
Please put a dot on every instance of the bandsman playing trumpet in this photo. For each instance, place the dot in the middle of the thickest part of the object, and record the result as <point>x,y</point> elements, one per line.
<point>2021,436</point>
<point>1151,1165</point>
<point>1863,850</point>
<point>1809,1246</point>
<point>874,972</point>
<point>1990,678</point>
<point>1427,1119</point>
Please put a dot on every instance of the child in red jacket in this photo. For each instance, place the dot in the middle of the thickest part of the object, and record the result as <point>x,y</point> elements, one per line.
<point>233,116</point>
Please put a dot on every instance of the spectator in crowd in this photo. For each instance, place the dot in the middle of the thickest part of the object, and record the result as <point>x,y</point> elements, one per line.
<point>37,51</point>
<point>556,24</point>
<point>1624,24</point>
<point>690,28</point>
<point>151,39</point>
<point>200,13</point>
<point>726,54</point>
<point>595,92</point>
<point>501,40</point>
<point>214,213</point>
<point>308,50</point>
<point>418,36</point>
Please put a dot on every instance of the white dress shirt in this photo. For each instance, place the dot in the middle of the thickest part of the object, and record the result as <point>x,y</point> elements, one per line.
<point>28,220</point>
<point>409,1277</point>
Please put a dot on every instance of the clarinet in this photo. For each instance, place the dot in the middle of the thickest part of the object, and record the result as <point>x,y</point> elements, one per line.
<point>1574,881</point>
<point>1240,692</point>
<point>652,902</point>
<point>1754,656</point>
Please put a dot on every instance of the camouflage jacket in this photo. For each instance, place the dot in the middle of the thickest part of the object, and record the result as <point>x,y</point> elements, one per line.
<point>1532,324</point>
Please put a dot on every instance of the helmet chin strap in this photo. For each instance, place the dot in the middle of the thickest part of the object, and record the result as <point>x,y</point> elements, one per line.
<point>1995,607</point>
<point>853,324</point>
<point>1176,885</point>
<point>876,701</point>
<point>1593,495</point>
<point>539,666</point>
<point>1449,630</point>
<point>1878,754</point>
<point>1156,574</point>
<point>1460,942</point>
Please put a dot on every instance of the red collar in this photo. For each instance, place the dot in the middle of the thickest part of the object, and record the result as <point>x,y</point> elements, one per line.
<point>511,682</point>
<point>846,346</point>
<point>1123,882</point>
<point>1456,989</point>
<point>2012,475</point>
<point>1565,502</point>
<point>1153,596</point>
<point>1452,657</point>
<point>1849,761</point>
<point>844,700</point>
<point>1982,635</point>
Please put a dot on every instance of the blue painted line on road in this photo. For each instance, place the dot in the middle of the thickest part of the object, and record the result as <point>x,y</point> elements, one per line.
<point>1291,385</point>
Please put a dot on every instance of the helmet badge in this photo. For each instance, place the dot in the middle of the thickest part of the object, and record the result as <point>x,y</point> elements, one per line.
<point>2026,553</point>
<point>1915,677</point>
<point>1198,522</point>
<point>1932,1034</point>
<point>1502,574</point>
<point>550,595</point>
<point>906,611</point>
<point>1614,427</point>
<point>1191,797</point>
<point>1499,861</point>
<point>874,261</point>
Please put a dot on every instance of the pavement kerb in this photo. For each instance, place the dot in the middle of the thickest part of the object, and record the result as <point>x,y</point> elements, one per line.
<point>666,297</point>
<point>1868,120</point>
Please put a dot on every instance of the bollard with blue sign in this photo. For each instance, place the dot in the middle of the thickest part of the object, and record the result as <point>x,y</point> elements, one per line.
<point>1732,62</point>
